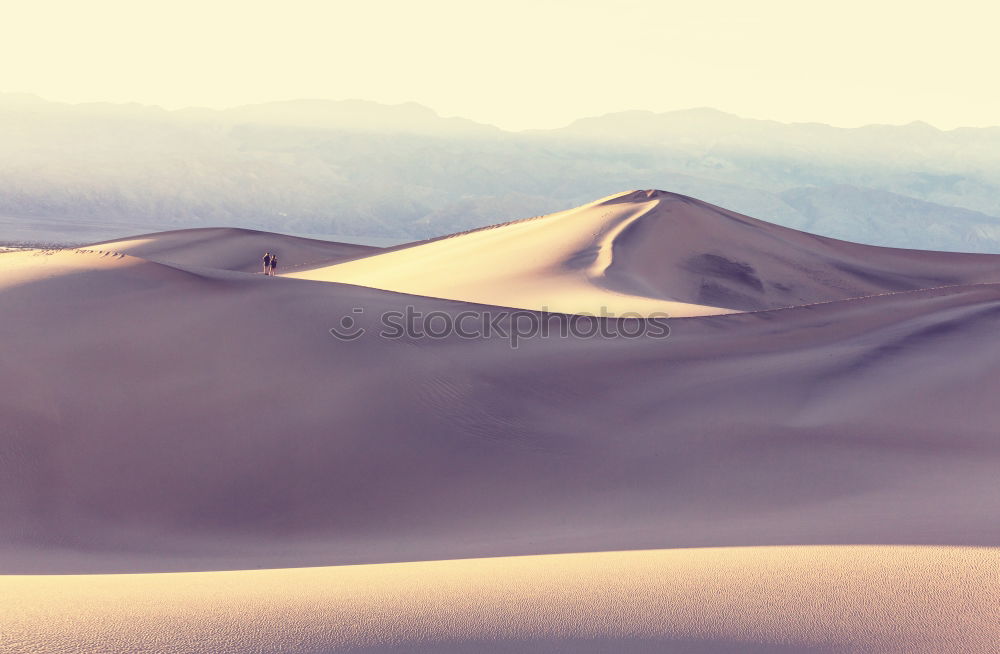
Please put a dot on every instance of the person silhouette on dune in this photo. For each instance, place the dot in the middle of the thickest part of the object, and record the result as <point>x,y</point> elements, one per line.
<point>274,264</point>
<point>267,263</point>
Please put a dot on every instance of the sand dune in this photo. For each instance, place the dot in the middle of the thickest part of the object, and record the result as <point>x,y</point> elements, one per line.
<point>228,248</point>
<point>170,417</point>
<point>652,251</point>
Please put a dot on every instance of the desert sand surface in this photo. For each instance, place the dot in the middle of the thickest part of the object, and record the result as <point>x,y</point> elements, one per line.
<point>189,459</point>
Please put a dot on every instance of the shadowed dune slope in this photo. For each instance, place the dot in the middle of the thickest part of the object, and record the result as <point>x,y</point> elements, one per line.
<point>229,248</point>
<point>267,442</point>
<point>649,251</point>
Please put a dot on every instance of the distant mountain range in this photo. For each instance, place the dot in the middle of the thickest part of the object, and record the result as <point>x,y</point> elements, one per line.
<point>401,172</point>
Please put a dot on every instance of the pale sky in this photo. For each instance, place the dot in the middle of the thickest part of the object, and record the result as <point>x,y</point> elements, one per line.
<point>521,64</point>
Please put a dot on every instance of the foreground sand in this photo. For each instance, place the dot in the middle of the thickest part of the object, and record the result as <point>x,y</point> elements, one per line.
<point>782,599</point>
<point>164,411</point>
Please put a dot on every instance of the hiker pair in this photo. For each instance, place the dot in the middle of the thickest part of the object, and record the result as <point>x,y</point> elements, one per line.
<point>270,263</point>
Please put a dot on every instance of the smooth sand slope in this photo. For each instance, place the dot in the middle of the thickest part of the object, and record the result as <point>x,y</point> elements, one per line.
<point>651,251</point>
<point>166,417</point>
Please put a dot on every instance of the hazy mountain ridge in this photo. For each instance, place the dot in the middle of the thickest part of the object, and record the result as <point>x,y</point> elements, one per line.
<point>361,168</point>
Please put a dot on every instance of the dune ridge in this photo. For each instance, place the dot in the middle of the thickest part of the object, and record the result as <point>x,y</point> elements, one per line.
<point>229,248</point>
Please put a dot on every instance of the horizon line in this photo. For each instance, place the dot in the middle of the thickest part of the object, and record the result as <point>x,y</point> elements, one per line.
<point>703,108</point>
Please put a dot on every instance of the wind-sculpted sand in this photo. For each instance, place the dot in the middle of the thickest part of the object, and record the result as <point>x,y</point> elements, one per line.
<point>807,463</point>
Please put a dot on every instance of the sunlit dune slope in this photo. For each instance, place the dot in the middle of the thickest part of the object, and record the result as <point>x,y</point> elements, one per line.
<point>651,251</point>
<point>230,248</point>
<point>786,600</point>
